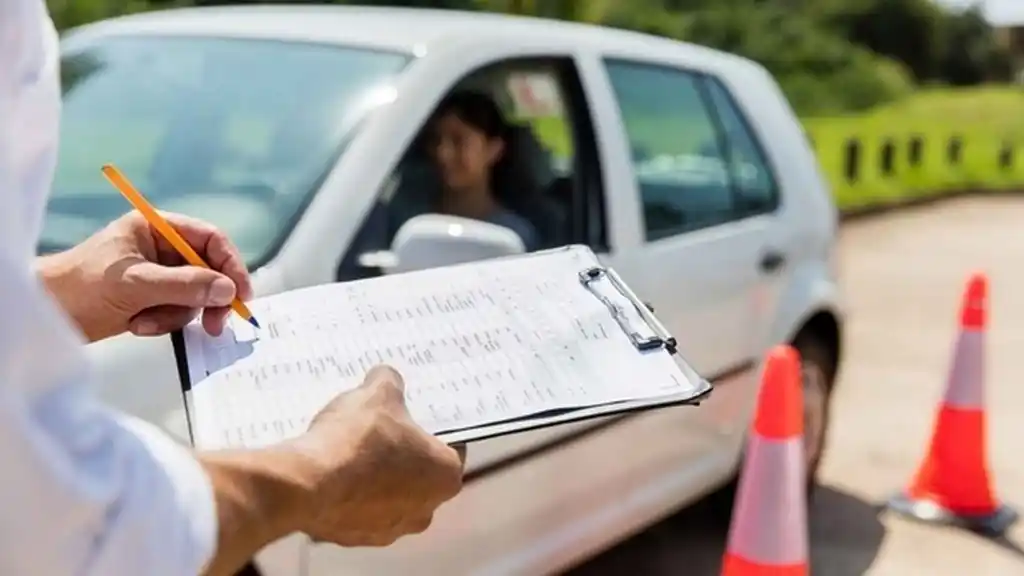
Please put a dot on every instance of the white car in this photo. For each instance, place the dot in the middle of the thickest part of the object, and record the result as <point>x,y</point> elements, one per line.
<point>295,130</point>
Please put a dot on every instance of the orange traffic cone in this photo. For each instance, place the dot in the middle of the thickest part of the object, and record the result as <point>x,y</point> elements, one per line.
<point>768,534</point>
<point>952,486</point>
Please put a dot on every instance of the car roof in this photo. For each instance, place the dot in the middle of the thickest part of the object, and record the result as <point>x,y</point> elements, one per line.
<point>408,30</point>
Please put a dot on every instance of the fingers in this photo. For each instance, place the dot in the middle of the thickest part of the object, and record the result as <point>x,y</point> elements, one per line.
<point>388,389</point>
<point>386,386</point>
<point>186,286</point>
<point>213,246</point>
<point>382,390</point>
<point>453,463</point>
<point>214,320</point>
<point>161,320</point>
<point>382,373</point>
<point>412,472</point>
<point>421,524</point>
<point>460,450</point>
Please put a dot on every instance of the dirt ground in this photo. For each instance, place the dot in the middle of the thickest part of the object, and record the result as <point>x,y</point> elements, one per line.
<point>902,278</point>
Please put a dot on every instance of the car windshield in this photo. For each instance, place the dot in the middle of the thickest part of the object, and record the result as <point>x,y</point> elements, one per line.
<point>236,132</point>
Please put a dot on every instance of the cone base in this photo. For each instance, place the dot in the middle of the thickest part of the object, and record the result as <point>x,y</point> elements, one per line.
<point>994,524</point>
<point>734,565</point>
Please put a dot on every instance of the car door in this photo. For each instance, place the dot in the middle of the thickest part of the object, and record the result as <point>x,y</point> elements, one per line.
<point>701,244</point>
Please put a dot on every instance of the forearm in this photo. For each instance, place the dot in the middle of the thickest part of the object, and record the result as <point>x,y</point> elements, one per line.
<point>260,496</point>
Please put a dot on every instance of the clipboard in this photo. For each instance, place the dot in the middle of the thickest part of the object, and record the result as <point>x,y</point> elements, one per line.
<point>590,279</point>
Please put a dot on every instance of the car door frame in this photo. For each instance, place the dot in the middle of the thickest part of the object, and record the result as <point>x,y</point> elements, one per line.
<point>316,245</point>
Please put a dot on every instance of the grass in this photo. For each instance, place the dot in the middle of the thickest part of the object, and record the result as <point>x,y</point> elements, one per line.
<point>984,120</point>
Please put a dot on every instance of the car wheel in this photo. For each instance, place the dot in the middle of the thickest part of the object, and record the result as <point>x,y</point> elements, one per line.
<point>818,371</point>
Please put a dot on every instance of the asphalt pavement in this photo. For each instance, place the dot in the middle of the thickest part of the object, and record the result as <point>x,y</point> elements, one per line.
<point>902,278</point>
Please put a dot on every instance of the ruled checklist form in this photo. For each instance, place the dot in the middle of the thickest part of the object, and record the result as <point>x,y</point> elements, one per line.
<point>477,344</point>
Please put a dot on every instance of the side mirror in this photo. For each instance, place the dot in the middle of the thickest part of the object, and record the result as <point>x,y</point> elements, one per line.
<point>432,240</point>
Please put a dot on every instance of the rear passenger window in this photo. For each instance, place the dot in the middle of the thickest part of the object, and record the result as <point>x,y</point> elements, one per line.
<point>695,161</point>
<point>748,168</point>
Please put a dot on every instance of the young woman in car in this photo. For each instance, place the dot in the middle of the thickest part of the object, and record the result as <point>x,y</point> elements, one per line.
<point>469,143</point>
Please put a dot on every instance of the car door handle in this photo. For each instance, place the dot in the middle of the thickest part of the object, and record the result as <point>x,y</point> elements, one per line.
<point>772,261</point>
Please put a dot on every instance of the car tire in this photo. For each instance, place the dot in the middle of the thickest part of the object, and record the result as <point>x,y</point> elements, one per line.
<point>818,367</point>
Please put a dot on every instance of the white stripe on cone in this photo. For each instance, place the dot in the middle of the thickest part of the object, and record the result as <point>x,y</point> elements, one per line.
<point>964,388</point>
<point>769,524</point>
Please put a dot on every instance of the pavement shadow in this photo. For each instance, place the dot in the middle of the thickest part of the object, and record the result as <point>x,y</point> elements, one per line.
<point>1003,542</point>
<point>846,533</point>
<point>845,537</point>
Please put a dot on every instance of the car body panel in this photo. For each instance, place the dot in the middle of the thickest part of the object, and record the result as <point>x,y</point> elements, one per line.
<point>542,500</point>
<point>548,513</point>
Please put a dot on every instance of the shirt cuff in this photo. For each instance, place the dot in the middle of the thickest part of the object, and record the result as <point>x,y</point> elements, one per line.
<point>193,491</point>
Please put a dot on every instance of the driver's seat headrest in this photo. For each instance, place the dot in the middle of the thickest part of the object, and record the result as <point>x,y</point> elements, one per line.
<point>523,144</point>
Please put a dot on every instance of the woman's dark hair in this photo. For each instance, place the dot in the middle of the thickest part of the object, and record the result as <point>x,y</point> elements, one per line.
<point>476,109</point>
<point>513,182</point>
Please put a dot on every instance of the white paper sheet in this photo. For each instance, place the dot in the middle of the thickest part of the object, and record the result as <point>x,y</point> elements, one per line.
<point>476,344</point>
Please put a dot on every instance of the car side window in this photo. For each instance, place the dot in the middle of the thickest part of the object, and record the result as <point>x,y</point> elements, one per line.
<point>533,181</point>
<point>681,154</point>
<point>749,170</point>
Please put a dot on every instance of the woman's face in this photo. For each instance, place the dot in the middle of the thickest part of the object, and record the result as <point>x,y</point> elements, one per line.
<point>464,154</point>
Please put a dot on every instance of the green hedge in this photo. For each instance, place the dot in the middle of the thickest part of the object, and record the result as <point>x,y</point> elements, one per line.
<point>988,124</point>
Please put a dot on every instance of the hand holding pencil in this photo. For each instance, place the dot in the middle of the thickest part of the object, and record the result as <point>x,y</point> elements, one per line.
<point>167,231</point>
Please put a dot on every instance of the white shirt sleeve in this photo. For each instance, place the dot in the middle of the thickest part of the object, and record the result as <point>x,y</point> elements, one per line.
<point>85,490</point>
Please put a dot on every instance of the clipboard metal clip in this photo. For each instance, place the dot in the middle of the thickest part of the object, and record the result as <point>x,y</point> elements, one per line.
<point>660,338</point>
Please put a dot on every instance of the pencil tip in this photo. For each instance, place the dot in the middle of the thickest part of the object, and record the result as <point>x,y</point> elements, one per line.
<point>254,322</point>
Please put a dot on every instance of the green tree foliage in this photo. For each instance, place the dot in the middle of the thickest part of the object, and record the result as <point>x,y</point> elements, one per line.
<point>820,71</point>
<point>829,55</point>
<point>908,30</point>
<point>970,54</point>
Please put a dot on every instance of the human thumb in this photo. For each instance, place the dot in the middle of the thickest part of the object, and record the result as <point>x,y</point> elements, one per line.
<point>188,286</point>
<point>385,385</point>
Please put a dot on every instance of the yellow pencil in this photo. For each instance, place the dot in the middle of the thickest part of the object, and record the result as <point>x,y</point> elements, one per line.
<point>165,229</point>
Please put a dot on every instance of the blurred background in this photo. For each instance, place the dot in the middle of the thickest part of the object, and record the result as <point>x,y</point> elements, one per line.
<point>868,77</point>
